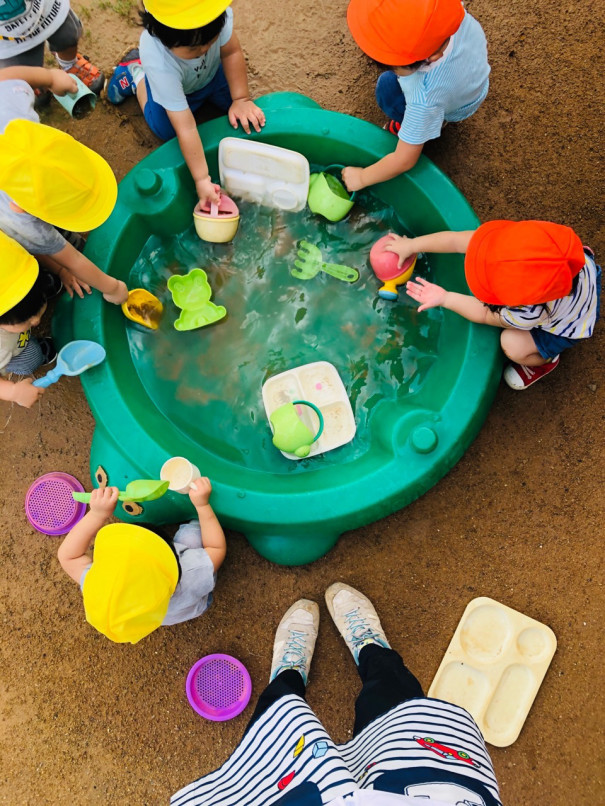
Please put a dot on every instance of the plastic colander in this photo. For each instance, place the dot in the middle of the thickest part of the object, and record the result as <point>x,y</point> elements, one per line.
<point>49,505</point>
<point>218,687</point>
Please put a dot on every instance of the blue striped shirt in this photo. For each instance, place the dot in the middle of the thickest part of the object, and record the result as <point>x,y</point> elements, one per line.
<point>451,89</point>
<point>573,316</point>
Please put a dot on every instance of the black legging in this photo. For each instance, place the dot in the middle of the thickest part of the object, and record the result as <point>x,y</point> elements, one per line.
<point>386,683</point>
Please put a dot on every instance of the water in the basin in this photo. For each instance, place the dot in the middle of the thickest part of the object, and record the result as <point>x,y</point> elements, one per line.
<point>208,382</point>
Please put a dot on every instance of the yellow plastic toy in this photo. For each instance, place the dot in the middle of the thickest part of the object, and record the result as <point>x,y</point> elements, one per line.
<point>143,308</point>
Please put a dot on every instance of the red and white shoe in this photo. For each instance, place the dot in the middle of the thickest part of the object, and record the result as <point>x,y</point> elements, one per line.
<point>519,376</point>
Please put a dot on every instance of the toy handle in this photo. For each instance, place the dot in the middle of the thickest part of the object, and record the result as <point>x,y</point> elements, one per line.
<point>346,273</point>
<point>214,209</point>
<point>338,167</point>
<point>317,411</point>
<point>83,498</point>
<point>50,377</point>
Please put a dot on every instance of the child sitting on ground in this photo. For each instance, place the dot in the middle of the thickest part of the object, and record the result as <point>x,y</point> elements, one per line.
<point>137,579</point>
<point>25,25</point>
<point>437,55</point>
<point>187,56</point>
<point>532,278</point>
<point>23,299</point>
<point>51,182</point>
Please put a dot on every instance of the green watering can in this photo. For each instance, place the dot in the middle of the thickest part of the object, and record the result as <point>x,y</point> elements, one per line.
<point>140,490</point>
<point>290,434</point>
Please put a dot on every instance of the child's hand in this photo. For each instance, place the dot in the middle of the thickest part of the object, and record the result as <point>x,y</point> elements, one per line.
<point>247,112</point>
<point>353,178</point>
<point>118,296</point>
<point>72,285</point>
<point>200,492</point>
<point>24,394</point>
<point>401,246</point>
<point>61,82</point>
<point>207,191</point>
<point>103,501</point>
<point>427,294</point>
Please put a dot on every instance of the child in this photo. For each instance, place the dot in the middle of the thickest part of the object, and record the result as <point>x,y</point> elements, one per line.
<point>22,304</point>
<point>532,278</point>
<point>439,73</point>
<point>138,580</point>
<point>187,57</point>
<point>406,749</point>
<point>25,25</point>
<point>47,181</point>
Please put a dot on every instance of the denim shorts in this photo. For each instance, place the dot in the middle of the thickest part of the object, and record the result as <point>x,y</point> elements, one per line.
<point>549,345</point>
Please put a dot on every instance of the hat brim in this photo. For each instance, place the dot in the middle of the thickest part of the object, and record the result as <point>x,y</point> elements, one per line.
<point>195,15</point>
<point>475,262</point>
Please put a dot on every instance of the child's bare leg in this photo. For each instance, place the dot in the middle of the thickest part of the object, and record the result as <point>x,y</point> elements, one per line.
<point>142,95</point>
<point>519,346</point>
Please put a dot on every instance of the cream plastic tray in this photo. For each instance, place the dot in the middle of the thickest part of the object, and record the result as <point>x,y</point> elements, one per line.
<point>262,173</point>
<point>321,384</point>
<point>494,666</point>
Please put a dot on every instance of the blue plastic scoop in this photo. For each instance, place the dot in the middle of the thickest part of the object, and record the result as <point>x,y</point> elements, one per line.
<point>73,359</point>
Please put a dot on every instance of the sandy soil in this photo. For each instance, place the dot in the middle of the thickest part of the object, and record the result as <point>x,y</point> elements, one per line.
<point>518,519</point>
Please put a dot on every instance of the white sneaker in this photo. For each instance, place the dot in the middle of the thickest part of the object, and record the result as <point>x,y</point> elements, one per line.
<point>355,617</point>
<point>295,639</point>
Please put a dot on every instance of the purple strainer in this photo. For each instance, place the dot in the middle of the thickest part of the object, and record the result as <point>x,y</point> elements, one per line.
<point>49,505</point>
<point>218,687</point>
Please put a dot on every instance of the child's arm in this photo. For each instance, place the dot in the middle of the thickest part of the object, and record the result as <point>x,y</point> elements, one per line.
<point>447,241</point>
<point>193,152</point>
<point>86,273</point>
<point>213,537</point>
<point>72,551</point>
<point>242,108</point>
<point>397,162</point>
<point>430,295</point>
<point>22,392</point>
<point>56,80</point>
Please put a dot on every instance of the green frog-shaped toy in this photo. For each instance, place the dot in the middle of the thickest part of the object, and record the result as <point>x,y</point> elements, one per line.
<point>192,293</point>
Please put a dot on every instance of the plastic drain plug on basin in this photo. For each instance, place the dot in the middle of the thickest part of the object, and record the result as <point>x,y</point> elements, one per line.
<point>218,687</point>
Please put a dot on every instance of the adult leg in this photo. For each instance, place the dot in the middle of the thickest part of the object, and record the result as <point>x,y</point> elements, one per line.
<point>389,96</point>
<point>386,680</point>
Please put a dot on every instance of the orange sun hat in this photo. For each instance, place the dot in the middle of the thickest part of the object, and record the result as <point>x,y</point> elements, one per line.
<point>522,262</point>
<point>400,32</point>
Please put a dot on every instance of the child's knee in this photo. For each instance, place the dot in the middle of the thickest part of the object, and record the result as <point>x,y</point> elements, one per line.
<point>389,95</point>
<point>515,344</point>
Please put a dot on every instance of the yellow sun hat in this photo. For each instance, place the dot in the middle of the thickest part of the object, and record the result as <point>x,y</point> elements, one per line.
<point>54,177</point>
<point>18,272</point>
<point>186,15</point>
<point>128,587</point>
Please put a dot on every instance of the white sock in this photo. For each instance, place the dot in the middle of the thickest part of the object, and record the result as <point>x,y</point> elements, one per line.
<point>65,65</point>
<point>137,73</point>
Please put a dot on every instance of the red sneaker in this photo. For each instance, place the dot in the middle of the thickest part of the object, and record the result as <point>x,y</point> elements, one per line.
<point>520,377</point>
<point>392,126</point>
<point>88,73</point>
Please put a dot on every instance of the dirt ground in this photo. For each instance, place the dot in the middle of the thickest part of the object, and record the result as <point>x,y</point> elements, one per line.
<point>520,518</point>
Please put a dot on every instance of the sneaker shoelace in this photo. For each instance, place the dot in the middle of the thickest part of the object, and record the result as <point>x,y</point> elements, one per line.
<point>295,652</point>
<point>359,631</point>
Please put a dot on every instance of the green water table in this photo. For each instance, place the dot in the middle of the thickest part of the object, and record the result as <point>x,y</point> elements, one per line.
<point>291,512</point>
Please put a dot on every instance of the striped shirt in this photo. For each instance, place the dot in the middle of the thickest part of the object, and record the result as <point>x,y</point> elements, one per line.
<point>422,748</point>
<point>451,89</point>
<point>573,316</point>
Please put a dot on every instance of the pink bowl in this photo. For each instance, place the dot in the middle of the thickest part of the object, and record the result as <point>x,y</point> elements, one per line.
<point>218,687</point>
<point>49,504</point>
<point>384,263</point>
<point>226,208</point>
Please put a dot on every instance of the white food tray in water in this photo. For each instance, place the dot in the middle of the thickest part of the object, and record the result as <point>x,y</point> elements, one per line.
<point>494,666</point>
<point>319,383</point>
<point>262,173</point>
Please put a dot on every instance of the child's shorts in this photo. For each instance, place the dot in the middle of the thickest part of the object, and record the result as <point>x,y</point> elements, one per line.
<point>28,360</point>
<point>549,345</point>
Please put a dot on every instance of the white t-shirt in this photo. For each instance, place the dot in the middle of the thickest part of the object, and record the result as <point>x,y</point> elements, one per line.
<point>11,344</point>
<point>573,316</point>
<point>26,23</point>
<point>171,78</point>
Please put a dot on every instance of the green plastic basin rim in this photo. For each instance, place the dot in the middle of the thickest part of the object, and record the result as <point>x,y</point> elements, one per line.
<point>147,182</point>
<point>317,411</point>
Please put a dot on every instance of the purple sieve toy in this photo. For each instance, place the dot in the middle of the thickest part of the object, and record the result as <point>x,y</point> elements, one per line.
<point>218,687</point>
<point>49,505</point>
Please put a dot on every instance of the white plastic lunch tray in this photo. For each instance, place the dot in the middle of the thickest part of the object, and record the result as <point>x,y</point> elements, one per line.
<point>494,666</point>
<point>262,173</point>
<point>319,383</point>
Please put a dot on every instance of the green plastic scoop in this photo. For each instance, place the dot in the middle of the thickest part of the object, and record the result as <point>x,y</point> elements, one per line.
<point>139,490</point>
<point>310,263</point>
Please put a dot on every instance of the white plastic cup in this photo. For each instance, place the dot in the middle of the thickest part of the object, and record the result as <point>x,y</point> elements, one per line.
<point>180,473</point>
